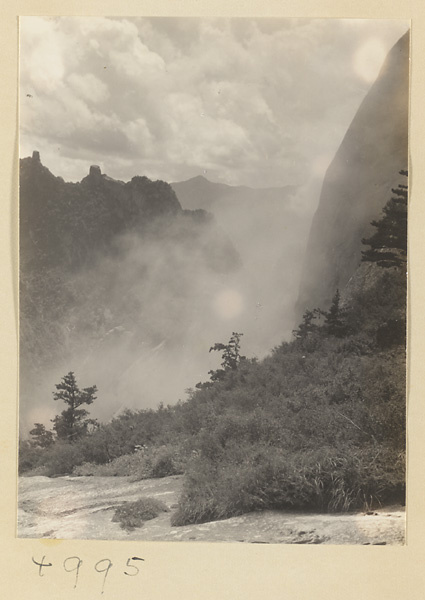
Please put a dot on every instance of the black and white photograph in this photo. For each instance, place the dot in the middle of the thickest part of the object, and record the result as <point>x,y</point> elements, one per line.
<point>213,279</point>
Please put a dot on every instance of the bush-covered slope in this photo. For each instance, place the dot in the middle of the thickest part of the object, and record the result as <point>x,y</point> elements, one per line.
<point>319,424</point>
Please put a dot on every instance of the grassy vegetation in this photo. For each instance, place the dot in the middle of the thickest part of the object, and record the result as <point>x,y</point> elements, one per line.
<point>133,514</point>
<point>255,478</point>
<point>317,425</point>
<point>77,459</point>
<point>160,461</point>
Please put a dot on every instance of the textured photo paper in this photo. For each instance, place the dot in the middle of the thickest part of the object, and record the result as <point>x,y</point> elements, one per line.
<point>42,566</point>
<point>213,257</point>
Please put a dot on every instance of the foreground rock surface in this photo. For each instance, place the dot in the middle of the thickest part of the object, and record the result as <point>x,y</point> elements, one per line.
<point>82,508</point>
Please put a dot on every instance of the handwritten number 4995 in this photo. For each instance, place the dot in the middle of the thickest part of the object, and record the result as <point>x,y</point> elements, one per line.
<point>72,564</point>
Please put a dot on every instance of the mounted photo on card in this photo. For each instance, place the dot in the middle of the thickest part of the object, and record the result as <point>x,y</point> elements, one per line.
<point>213,263</point>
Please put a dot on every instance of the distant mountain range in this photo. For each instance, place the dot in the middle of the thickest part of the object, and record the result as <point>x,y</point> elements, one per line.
<point>358,182</point>
<point>199,192</point>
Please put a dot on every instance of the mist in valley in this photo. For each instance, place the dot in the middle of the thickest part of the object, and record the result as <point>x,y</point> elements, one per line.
<point>141,318</point>
<point>260,117</point>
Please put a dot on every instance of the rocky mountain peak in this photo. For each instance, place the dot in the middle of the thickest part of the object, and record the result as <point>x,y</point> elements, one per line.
<point>95,172</point>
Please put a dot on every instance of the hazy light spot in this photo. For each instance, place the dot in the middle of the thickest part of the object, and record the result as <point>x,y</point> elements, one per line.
<point>320,165</point>
<point>368,59</point>
<point>228,304</point>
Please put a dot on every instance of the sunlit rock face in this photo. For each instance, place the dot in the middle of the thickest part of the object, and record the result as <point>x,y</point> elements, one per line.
<point>358,182</point>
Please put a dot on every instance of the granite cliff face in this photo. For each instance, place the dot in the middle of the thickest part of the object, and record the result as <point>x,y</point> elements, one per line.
<point>358,182</point>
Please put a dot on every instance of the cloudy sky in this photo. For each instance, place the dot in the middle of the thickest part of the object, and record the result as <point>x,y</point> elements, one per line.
<point>257,102</point>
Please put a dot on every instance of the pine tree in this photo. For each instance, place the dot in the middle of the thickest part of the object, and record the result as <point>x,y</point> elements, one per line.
<point>335,319</point>
<point>42,437</point>
<point>307,325</point>
<point>231,356</point>
<point>72,423</point>
<point>388,245</point>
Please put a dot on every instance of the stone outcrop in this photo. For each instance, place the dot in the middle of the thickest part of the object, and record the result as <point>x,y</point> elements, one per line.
<point>358,182</point>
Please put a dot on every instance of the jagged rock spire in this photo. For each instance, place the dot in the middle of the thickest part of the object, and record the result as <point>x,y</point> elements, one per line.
<point>95,171</point>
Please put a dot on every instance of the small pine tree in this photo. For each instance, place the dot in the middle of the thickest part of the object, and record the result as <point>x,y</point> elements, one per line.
<point>42,437</point>
<point>335,321</point>
<point>72,423</point>
<point>231,356</point>
<point>307,325</point>
<point>388,245</point>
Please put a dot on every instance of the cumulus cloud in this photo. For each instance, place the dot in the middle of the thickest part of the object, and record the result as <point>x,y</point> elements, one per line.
<point>247,101</point>
<point>88,87</point>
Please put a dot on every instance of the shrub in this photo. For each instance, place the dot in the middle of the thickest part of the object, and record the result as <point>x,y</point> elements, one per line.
<point>29,457</point>
<point>61,458</point>
<point>166,461</point>
<point>123,466</point>
<point>155,462</point>
<point>161,461</point>
<point>256,478</point>
<point>133,514</point>
<point>95,447</point>
<point>87,469</point>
